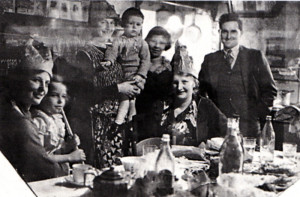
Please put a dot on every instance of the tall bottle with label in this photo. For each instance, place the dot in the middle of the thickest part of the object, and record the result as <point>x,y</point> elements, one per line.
<point>267,142</point>
<point>232,153</point>
<point>165,167</point>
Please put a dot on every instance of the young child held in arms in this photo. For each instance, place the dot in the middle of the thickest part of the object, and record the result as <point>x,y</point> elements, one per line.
<point>132,52</point>
<point>48,118</point>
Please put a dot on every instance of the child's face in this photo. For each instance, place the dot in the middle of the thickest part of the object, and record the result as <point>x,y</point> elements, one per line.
<point>55,100</point>
<point>133,26</point>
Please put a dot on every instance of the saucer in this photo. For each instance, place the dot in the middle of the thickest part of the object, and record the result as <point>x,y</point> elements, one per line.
<point>70,180</point>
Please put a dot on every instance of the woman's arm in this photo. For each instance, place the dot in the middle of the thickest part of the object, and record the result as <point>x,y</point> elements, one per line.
<point>75,156</point>
<point>128,88</point>
<point>144,56</point>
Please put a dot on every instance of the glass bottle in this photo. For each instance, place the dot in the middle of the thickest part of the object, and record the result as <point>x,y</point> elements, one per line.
<point>267,142</point>
<point>236,126</point>
<point>165,167</point>
<point>232,153</point>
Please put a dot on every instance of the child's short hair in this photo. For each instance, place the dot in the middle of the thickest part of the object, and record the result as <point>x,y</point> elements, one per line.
<point>130,12</point>
<point>56,79</point>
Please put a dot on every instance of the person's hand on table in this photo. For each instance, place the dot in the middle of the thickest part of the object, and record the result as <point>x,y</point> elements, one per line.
<point>77,155</point>
<point>129,88</point>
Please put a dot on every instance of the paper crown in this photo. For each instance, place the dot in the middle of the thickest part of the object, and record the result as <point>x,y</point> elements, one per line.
<point>100,10</point>
<point>37,57</point>
<point>182,62</point>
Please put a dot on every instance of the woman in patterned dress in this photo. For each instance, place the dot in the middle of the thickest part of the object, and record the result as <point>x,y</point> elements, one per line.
<point>186,121</point>
<point>96,96</point>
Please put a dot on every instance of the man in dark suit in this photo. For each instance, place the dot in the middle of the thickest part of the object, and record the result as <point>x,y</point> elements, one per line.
<point>237,79</point>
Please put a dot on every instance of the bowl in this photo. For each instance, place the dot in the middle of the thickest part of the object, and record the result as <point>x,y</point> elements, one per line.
<point>132,163</point>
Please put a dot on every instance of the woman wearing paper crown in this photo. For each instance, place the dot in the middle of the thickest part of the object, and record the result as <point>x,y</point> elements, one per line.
<point>188,122</point>
<point>27,85</point>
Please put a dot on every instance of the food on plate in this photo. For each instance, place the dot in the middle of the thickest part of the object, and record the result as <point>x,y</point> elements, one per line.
<point>214,143</point>
<point>278,169</point>
<point>189,152</point>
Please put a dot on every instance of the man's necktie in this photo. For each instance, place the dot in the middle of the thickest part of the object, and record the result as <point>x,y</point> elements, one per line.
<point>229,57</point>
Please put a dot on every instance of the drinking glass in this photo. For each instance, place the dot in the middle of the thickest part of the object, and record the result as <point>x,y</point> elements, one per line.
<point>149,149</point>
<point>289,151</point>
<point>249,146</point>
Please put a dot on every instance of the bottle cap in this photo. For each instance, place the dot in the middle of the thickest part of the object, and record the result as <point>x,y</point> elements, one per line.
<point>236,116</point>
<point>269,117</point>
<point>165,137</point>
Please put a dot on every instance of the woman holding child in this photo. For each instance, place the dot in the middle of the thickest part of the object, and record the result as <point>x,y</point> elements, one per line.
<point>107,85</point>
<point>20,142</point>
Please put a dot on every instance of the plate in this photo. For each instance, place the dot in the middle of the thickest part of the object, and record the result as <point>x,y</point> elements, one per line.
<point>211,152</point>
<point>70,180</point>
<point>193,165</point>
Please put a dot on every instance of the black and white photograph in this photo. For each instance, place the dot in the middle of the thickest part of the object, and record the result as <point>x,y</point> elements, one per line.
<point>149,98</point>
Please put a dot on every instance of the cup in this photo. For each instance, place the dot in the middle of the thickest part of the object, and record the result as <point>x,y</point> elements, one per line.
<point>249,147</point>
<point>149,149</point>
<point>289,151</point>
<point>81,172</point>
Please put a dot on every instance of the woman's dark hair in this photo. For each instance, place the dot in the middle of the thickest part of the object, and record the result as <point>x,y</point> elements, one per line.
<point>160,31</point>
<point>130,12</point>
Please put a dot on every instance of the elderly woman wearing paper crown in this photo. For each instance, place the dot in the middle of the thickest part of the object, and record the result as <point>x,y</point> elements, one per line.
<point>27,85</point>
<point>186,121</point>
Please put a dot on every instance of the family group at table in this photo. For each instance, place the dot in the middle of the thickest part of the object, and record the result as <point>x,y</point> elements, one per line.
<point>122,78</point>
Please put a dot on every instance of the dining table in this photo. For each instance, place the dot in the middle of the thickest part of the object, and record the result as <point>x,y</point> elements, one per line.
<point>60,186</point>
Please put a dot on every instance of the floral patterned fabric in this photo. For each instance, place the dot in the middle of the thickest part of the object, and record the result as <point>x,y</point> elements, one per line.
<point>183,127</point>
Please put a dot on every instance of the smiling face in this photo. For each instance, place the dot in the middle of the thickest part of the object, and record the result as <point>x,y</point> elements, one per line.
<point>35,87</point>
<point>157,44</point>
<point>230,34</point>
<point>106,26</point>
<point>55,100</point>
<point>183,86</point>
<point>133,26</point>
